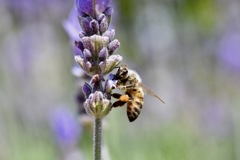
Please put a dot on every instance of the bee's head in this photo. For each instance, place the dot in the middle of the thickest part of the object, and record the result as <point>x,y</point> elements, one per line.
<point>122,73</point>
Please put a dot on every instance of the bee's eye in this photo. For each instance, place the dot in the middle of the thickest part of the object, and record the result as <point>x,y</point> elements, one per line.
<point>121,73</point>
<point>124,73</point>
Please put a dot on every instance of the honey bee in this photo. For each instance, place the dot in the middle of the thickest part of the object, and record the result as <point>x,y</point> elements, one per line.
<point>130,82</point>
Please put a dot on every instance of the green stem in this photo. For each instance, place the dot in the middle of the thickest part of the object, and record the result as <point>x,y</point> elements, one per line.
<point>97,138</point>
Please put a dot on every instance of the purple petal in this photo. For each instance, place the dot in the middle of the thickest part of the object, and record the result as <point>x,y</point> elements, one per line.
<point>102,5</point>
<point>87,6</point>
<point>108,11</point>
<point>87,89</point>
<point>79,45</point>
<point>110,84</point>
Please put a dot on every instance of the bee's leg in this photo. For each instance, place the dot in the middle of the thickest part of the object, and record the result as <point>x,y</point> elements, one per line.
<point>122,99</point>
<point>129,86</point>
<point>125,87</point>
<point>118,103</point>
<point>116,95</point>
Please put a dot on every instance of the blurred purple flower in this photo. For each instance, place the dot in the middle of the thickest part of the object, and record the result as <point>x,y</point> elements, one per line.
<point>65,127</point>
<point>29,9</point>
<point>229,50</point>
<point>72,26</point>
<point>73,29</point>
<point>215,120</point>
<point>88,6</point>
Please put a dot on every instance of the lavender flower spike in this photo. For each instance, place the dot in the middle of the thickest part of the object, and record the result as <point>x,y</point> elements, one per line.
<point>94,18</point>
<point>97,45</point>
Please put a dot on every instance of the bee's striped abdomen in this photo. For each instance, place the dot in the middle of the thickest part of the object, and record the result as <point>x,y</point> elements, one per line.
<point>134,106</point>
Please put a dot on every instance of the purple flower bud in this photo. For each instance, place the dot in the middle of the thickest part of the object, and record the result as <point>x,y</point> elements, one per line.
<point>100,17</point>
<point>88,66</point>
<point>95,26</point>
<point>87,43</point>
<point>85,65</point>
<point>110,63</point>
<point>87,89</point>
<point>87,56</point>
<point>110,34</point>
<point>103,54</point>
<point>113,46</point>
<point>104,24</point>
<point>97,105</point>
<point>108,11</point>
<point>95,43</point>
<point>85,24</point>
<point>99,97</point>
<point>87,62</point>
<point>91,7</point>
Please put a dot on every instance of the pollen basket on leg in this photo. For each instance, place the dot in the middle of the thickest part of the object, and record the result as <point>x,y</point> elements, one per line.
<point>124,98</point>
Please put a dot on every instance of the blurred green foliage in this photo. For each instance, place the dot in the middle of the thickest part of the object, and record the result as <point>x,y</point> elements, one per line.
<point>203,13</point>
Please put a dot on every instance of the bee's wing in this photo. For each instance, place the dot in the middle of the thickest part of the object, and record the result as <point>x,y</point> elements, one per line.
<point>150,92</point>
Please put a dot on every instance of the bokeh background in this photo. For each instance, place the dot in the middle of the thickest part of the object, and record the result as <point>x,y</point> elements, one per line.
<point>187,51</point>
